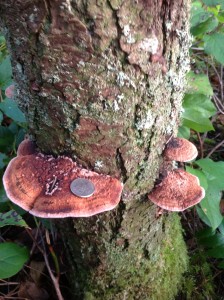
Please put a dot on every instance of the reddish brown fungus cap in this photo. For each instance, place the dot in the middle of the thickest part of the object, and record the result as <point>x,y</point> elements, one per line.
<point>180,149</point>
<point>177,191</point>
<point>40,184</point>
<point>26,147</point>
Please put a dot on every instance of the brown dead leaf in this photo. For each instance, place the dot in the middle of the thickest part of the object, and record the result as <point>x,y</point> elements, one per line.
<point>31,291</point>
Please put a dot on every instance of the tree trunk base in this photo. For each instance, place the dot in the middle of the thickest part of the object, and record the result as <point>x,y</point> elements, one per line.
<point>129,273</point>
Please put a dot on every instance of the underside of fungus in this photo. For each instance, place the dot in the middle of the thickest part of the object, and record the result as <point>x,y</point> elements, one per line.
<point>178,191</point>
<point>40,184</point>
<point>180,149</point>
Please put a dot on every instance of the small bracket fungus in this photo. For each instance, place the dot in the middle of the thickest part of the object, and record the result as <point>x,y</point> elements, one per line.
<point>26,147</point>
<point>178,191</point>
<point>41,184</point>
<point>180,149</point>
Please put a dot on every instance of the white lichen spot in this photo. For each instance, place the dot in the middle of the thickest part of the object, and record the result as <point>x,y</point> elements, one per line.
<point>123,79</point>
<point>146,122</point>
<point>32,18</point>
<point>131,39</point>
<point>98,164</point>
<point>56,78</point>
<point>81,63</point>
<point>169,25</point>
<point>120,98</point>
<point>19,68</point>
<point>149,45</point>
<point>127,33</point>
<point>116,106</point>
<point>126,30</point>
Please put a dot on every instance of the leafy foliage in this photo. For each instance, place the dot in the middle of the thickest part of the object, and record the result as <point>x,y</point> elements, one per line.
<point>12,130</point>
<point>207,19</point>
<point>12,259</point>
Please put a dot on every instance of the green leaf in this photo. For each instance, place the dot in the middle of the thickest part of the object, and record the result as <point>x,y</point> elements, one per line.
<point>12,259</point>
<point>3,156</point>
<point>198,83</point>
<point>221,227</point>
<point>213,3</point>
<point>210,205</point>
<point>217,252</point>
<point>198,109</point>
<point>220,17</point>
<point>205,27</point>
<point>5,73</point>
<point>201,176</point>
<point>6,139</point>
<point>11,218</point>
<point>184,132</point>
<point>1,117</point>
<point>203,216</point>
<point>205,232</point>
<point>10,108</point>
<point>214,45</point>
<point>214,172</point>
<point>212,241</point>
<point>198,14</point>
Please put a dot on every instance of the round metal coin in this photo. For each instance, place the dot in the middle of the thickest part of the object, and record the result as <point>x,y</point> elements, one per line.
<point>82,187</point>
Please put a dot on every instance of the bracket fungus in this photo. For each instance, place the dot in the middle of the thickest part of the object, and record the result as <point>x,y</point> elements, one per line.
<point>26,147</point>
<point>41,183</point>
<point>178,191</point>
<point>180,149</point>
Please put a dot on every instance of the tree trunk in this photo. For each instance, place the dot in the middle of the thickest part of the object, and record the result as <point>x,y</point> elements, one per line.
<point>102,82</point>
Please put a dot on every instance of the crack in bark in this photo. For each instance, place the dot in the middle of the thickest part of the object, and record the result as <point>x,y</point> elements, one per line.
<point>121,165</point>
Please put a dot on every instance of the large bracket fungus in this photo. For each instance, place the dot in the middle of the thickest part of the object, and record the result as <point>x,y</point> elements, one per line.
<point>41,183</point>
<point>178,191</point>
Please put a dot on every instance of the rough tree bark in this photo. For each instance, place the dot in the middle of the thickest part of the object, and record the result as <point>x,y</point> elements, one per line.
<point>102,82</point>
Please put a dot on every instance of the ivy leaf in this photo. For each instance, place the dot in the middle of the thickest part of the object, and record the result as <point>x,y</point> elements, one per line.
<point>214,172</point>
<point>210,24</point>
<point>202,215</point>
<point>12,259</point>
<point>1,117</point>
<point>10,108</point>
<point>198,14</point>
<point>5,73</point>
<point>184,132</point>
<point>11,218</point>
<point>198,84</point>
<point>214,45</point>
<point>210,205</point>
<point>6,139</point>
<point>201,176</point>
<point>198,109</point>
<point>213,3</point>
<point>3,156</point>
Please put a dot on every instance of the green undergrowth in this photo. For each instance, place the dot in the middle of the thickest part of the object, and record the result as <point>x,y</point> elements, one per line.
<point>134,276</point>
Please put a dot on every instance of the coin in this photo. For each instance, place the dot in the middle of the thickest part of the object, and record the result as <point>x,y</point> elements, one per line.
<point>82,187</point>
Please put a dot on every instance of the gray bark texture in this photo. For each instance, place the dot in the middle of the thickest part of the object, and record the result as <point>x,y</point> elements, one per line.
<point>102,82</point>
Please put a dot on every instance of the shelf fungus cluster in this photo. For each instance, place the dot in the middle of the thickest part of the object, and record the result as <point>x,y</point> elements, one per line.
<point>51,187</point>
<point>178,190</point>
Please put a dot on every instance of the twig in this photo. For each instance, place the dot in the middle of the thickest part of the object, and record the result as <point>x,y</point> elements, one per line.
<point>218,104</point>
<point>53,278</point>
<point>215,148</point>
<point>221,82</point>
<point>201,145</point>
